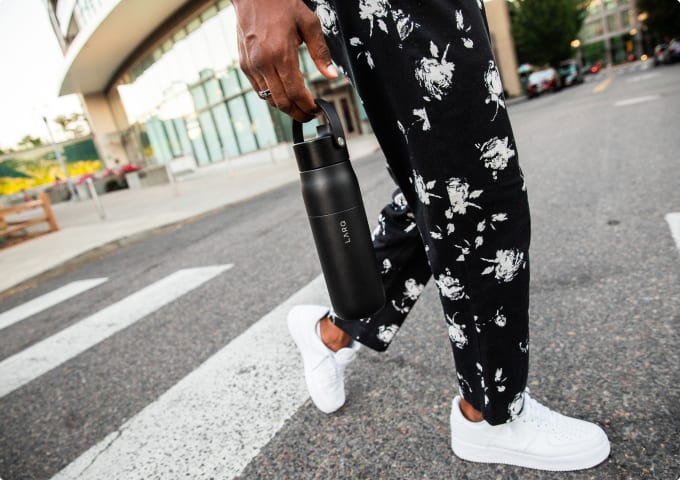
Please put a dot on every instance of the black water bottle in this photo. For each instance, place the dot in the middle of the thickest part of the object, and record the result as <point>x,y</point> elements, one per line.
<point>338,219</point>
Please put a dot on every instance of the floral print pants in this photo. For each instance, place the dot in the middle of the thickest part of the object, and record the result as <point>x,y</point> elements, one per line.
<point>427,77</point>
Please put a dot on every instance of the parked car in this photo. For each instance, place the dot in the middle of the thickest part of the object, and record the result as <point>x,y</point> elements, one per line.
<point>661,54</point>
<point>570,73</point>
<point>674,51</point>
<point>547,80</point>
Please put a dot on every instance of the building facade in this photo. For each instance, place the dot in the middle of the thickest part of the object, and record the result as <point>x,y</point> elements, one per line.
<point>160,80</point>
<point>611,32</point>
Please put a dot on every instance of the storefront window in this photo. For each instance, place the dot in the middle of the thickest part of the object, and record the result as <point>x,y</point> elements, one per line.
<point>612,23</point>
<point>210,134</point>
<point>225,130</point>
<point>241,121</point>
<point>262,120</point>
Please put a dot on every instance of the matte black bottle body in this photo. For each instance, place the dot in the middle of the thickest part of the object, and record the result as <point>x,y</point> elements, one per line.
<point>338,220</point>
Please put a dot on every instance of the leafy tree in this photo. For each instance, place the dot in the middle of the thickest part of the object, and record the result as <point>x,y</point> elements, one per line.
<point>29,142</point>
<point>663,17</point>
<point>544,29</point>
<point>73,124</point>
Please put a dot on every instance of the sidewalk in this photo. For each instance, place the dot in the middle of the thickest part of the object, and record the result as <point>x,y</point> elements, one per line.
<point>133,213</point>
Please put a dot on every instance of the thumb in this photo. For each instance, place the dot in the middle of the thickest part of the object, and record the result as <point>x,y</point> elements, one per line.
<point>318,50</point>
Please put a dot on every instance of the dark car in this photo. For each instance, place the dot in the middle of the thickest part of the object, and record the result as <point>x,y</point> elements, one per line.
<point>547,80</point>
<point>570,73</point>
<point>661,54</point>
<point>674,51</point>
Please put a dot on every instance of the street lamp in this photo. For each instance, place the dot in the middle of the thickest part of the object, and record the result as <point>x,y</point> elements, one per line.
<point>60,159</point>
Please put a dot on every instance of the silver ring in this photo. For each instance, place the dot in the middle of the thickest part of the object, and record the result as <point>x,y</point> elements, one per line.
<point>264,93</point>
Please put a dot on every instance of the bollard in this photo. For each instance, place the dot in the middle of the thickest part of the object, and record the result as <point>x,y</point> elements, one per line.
<point>97,204</point>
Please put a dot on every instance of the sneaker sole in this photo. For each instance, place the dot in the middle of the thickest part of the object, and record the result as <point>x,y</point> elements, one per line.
<point>475,453</point>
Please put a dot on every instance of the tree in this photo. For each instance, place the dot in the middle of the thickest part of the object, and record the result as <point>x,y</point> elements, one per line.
<point>29,142</point>
<point>661,17</point>
<point>73,124</point>
<point>544,29</point>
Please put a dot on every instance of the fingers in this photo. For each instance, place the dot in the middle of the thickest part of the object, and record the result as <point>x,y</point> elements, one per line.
<point>312,35</point>
<point>256,80</point>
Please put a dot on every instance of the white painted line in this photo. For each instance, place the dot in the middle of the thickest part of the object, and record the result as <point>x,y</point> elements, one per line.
<point>46,301</point>
<point>42,357</point>
<point>673,220</point>
<point>633,101</point>
<point>216,419</point>
<point>644,76</point>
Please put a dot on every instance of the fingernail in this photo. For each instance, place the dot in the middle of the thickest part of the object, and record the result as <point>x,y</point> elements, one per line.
<point>332,70</point>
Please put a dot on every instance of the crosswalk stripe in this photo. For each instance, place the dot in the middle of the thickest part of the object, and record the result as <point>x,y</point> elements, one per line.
<point>46,301</point>
<point>673,220</point>
<point>216,419</point>
<point>42,357</point>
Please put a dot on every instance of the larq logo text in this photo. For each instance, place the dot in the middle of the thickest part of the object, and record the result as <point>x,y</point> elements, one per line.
<point>344,228</point>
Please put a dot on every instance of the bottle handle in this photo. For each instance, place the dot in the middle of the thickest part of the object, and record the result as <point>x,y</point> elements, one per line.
<point>334,126</point>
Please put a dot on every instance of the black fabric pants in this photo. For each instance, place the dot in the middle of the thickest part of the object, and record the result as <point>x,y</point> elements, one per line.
<point>427,77</point>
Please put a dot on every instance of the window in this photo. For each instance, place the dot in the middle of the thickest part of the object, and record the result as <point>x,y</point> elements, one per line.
<point>241,121</point>
<point>225,130</point>
<point>612,23</point>
<point>262,120</point>
<point>212,141</point>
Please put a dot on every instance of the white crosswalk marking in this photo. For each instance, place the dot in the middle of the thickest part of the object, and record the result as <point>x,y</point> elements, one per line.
<point>216,419</point>
<point>46,301</point>
<point>42,357</point>
<point>673,220</point>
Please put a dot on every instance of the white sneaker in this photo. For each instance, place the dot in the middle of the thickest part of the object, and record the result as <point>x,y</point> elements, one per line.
<point>324,368</point>
<point>538,438</point>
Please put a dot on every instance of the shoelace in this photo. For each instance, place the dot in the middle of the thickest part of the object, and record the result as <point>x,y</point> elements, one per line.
<point>539,414</point>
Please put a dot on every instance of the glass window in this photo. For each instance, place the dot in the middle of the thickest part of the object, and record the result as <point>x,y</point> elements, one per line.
<point>181,129</point>
<point>225,130</point>
<point>196,136</point>
<point>172,137</point>
<point>262,120</point>
<point>626,19</point>
<point>198,94</point>
<point>595,7</point>
<point>213,90</point>
<point>241,122</point>
<point>612,23</point>
<point>230,84</point>
<point>158,140</point>
<point>609,4</point>
<point>210,134</point>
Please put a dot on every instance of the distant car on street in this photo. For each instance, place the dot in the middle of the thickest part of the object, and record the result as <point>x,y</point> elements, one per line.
<point>570,73</point>
<point>661,54</point>
<point>674,51</point>
<point>547,80</point>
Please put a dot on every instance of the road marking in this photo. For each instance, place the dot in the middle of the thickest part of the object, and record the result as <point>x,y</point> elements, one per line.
<point>673,220</point>
<point>636,100</point>
<point>42,357</point>
<point>48,300</point>
<point>216,419</point>
<point>644,76</point>
<point>602,86</point>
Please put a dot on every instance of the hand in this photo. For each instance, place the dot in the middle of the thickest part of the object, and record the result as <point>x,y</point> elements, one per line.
<point>269,34</point>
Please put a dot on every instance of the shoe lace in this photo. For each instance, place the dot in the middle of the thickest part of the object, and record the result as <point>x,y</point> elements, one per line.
<point>539,415</point>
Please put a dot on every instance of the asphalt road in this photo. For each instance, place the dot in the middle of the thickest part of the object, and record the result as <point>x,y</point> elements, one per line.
<point>602,171</point>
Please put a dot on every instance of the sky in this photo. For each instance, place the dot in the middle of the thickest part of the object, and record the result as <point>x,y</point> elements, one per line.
<point>31,65</point>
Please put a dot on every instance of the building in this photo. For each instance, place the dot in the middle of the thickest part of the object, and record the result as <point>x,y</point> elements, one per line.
<point>611,32</point>
<point>160,81</point>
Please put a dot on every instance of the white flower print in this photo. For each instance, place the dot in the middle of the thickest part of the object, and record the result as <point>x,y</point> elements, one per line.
<point>386,266</point>
<point>524,346</point>
<point>400,201</point>
<point>380,229</point>
<point>495,154</point>
<point>479,4</point>
<point>506,265</point>
<point>410,227</point>
<point>374,11</point>
<point>492,80</point>
<point>499,217</point>
<point>356,42</point>
<point>386,333</point>
<point>500,319</point>
<point>450,287</point>
<point>460,196</point>
<point>327,17</point>
<point>422,188</point>
<point>515,406</point>
<point>460,25</point>
<point>464,251</point>
<point>499,380</point>
<point>435,74</point>
<point>436,235</point>
<point>421,116</point>
<point>456,333</point>
<point>412,291</point>
<point>404,24</point>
